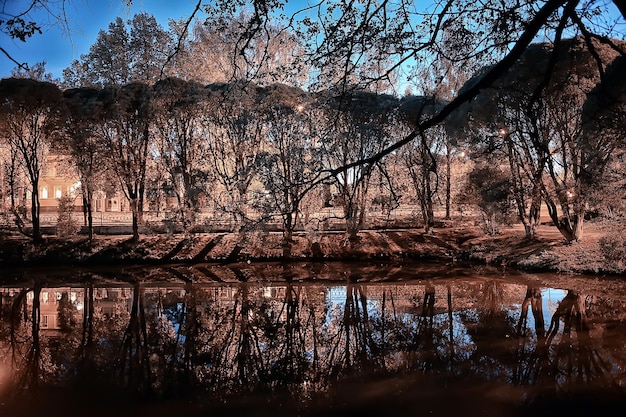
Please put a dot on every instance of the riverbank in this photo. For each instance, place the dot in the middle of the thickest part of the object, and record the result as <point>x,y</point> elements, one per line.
<point>549,252</point>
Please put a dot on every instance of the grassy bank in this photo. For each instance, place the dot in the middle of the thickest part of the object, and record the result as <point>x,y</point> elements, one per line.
<point>549,252</point>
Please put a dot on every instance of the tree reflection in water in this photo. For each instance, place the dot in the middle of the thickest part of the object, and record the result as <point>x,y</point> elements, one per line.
<point>301,342</point>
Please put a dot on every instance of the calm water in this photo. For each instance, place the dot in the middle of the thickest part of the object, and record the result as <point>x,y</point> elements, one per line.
<point>310,340</point>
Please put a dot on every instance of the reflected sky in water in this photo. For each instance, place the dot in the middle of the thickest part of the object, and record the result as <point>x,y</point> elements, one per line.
<point>348,340</point>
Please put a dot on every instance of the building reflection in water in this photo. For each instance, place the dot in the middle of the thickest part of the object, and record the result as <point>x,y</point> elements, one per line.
<point>307,342</point>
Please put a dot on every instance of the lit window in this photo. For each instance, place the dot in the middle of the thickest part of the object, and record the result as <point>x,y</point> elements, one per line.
<point>44,321</point>
<point>57,192</point>
<point>44,192</point>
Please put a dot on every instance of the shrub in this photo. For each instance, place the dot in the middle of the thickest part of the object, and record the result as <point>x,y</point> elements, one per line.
<point>66,225</point>
<point>490,189</point>
<point>613,248</point>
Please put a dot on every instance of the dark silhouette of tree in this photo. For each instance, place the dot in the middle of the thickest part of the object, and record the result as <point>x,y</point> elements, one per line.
<point>353,128</point>
<point>489,329</point>
<point>235,127</point>
<point>292,161</point>
<point>189,330</point>
<point>285,330</point>
<point>575,359</point>
<point>80,140</point>
<point>533,300</point>
<point>87,344</point>
<point>27,352</point>
<point>353,349</point>
<point>27,108</point>
<point>532,352</point>
<point>179,107</point>
<point>17,317</point>
<point>124,115</point>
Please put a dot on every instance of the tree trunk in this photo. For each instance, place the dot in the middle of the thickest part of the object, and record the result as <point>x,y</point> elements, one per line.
<point>139,204</point>
<point>352,222</point>
<point>135,213</point>
<point>530,219</point>
<point>425,217</point>
<point>448,179</point>
<point>135,227</point>
<point>88,209</point>
<point>35,210</point>
<point>424,192</point>
<point>571,227</point>
<point>19,221</point>
<point>534,216</point>
<point>90,222</point>
<point>287,235</point>
<point>426,202</point>
<point>84,198</point>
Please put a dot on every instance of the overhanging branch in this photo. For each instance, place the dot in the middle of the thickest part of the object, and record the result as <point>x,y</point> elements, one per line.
<point>526,38</point>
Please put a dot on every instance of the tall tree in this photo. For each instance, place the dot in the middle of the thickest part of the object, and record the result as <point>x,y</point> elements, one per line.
<point>291,162</point>
<point>443,79</point>
<point>27,108</point>
<point>422,156</point>
<point>178,108</point>
<point>135,51</point>
<point>353,130</point>
<point>421,159</point>
<point>124,127</point>
<point>80,141</point>
<point>235,144</point>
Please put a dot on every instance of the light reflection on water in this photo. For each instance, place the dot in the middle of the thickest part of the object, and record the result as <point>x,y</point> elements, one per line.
<point>349,339</point>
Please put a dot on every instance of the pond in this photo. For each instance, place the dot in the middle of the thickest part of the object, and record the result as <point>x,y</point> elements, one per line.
<point>310,339</point>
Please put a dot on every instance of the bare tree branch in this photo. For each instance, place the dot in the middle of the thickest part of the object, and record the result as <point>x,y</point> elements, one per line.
<point>532,28</point>
<point>20,65</point>
<point>182,36</point>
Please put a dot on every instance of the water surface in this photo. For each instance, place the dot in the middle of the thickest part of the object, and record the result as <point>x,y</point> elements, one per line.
<point>310,339</point>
